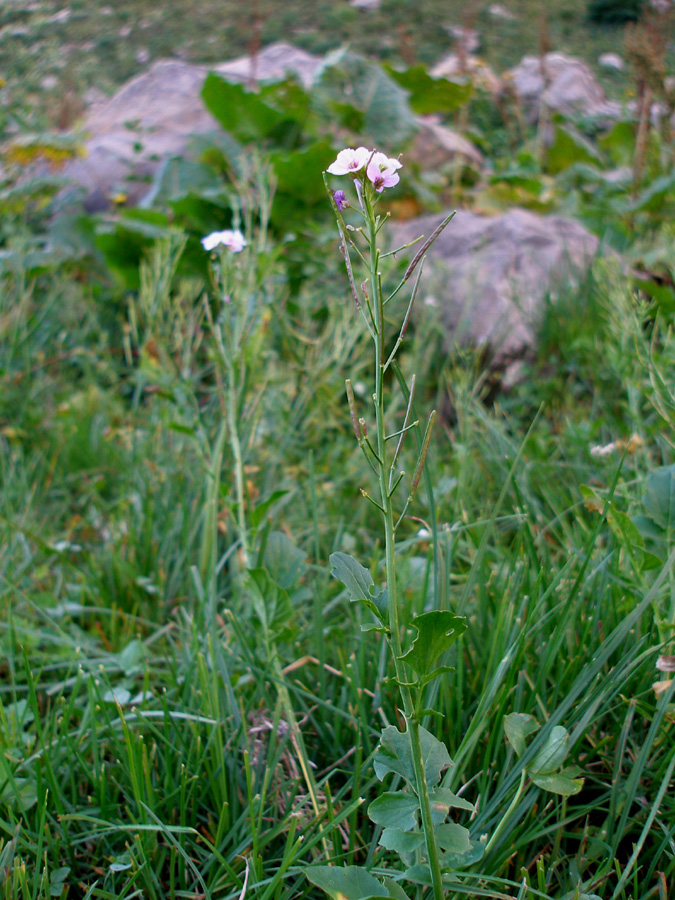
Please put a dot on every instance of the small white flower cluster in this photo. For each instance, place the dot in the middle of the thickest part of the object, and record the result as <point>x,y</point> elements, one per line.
<point>380,168</point>
<point>233,240</point>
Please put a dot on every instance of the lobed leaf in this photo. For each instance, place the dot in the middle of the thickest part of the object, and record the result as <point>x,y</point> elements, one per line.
<point>436,632</point>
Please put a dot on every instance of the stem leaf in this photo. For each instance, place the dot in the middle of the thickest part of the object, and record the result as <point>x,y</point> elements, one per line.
<point>395,755</point>
<point>395,810</point>
<point>436,632</point>
<point>359,583</point>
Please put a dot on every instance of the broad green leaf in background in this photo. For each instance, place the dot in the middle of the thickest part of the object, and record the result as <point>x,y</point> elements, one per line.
<point>659,497</point>
<point>275,114</point>
<point>387,119</point>
<point>283,559</point>
<point>436,631</point>
<point>570,147</point>
<point>431,95</point>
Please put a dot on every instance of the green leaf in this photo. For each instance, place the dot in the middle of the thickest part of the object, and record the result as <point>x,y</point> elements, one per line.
<point>436,631</point>
<point>453,838</point>
<point>431,95</point>
<point>358,581</point>
<point>348,883</point>
<point>655,196</point>
<point>254,117</point>
<point>387,119</point>
<point>443,800</point>
<point>271,604</point>
<point>401,841</point>
<point>659,498</point>
<point>570,147</point>
<point>284,561</point>
<point>559,783</point>
<point>395,810</point>
<point>553,753</point>
<point>261,509</point>
<point>518,727</point>
<point>395,755</point>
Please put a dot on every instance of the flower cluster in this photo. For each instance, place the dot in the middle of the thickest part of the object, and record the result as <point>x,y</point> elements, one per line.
<point>233,240</point>
<point>380,169</point>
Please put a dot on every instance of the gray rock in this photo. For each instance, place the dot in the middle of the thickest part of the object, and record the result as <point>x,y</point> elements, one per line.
<point>490,275</point>
<point>152,117</point>
<point>272,64</point>
<point>611,61</point>
<point>435,146</point>
<point>566,85</point>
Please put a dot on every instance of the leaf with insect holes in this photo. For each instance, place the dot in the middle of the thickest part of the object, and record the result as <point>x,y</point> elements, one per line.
<point>359,583</point>
<point>353,883</point>
<point>436,632</point>
<point>395,755</point>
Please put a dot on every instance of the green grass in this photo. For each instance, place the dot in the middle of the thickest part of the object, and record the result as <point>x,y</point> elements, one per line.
<point>174,727</point>
<point>148,748</point>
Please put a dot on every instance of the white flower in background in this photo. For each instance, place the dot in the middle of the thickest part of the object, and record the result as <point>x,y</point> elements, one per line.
<point>350,161</point>
<point>233,240</point>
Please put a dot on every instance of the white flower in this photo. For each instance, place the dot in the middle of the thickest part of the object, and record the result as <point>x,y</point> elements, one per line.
<point>233,240</point>
<point>349,161</point>
<point>381,171</point>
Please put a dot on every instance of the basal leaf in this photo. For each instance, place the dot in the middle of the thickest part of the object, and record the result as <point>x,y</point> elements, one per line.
<point>553,753</point>
<point>436,631</point>
<point>518,727</point>
<point>395,810</point>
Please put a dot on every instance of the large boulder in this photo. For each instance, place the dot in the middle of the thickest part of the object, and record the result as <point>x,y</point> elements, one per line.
<point>152,117</point>
<point>565,84</point>
<point>489,276</point>
<point>436,146</point>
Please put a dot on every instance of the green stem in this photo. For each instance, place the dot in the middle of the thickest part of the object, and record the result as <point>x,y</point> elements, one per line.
<point>506,818</point>
<point>412,721</point>
<point>235,446</point>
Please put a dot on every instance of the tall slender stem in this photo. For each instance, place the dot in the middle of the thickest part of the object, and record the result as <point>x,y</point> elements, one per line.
<point>409,711</point>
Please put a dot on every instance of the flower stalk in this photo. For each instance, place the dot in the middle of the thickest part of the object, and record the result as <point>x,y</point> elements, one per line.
<point>372,172</point>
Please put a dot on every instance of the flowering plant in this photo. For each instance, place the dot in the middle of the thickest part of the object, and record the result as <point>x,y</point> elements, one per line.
<point>413,819</point>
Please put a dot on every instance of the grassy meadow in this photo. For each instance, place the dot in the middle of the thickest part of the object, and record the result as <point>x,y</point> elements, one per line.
<point>189,705</point>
